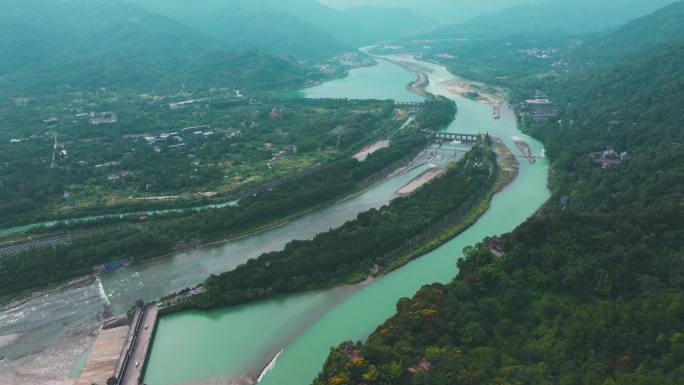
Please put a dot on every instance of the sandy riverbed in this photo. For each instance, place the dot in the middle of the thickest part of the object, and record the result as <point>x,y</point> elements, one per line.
<point>464,87</point>
<point>420,180</point>
<point>371,148</point>
<point>51,366</point>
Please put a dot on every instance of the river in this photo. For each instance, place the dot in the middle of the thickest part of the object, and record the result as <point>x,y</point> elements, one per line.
<point>196,347</point>
<point>48,334</point>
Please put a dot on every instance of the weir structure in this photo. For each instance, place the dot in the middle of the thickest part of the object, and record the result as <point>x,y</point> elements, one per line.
<point>464,138</point>
<point>119,354</point>
<point>408,104</point>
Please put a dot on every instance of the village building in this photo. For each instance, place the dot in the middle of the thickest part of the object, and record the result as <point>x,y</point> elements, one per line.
<point>496,247</point>
<point>98,118</point>
<point>608,158</point>
<point>177,105</point>
<point>423,366</point>
<point>538,109</point>
<point>613,124</point>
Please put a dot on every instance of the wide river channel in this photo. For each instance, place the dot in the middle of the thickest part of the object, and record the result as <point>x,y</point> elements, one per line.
<point>196,347</point>
<point>45,333</point>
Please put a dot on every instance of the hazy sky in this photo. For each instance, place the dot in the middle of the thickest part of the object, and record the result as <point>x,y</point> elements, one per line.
<point>443,10</point>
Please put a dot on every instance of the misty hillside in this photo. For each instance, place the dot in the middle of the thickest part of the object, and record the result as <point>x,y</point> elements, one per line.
<point>558,16</point>
<point>449,11</point>
<point>662,26</point>
<point>251,25</point>
<point>101,43</point>
<point>390,23</point>
<point>301,28</point>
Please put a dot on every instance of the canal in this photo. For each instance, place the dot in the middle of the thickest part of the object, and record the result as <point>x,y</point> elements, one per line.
<point>237,342</point>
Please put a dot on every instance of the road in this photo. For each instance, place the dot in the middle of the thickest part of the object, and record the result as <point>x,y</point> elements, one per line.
<point>134,369</point>
<point>22,247</point>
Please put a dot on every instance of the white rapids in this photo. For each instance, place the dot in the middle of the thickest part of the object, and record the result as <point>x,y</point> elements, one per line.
<point>270,366</point>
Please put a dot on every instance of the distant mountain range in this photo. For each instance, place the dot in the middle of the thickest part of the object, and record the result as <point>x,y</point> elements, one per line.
<point>660,27</point>
<point>302,28</point>
<point>85,44</point>
<point>557,16</point>
<point>447,11</point>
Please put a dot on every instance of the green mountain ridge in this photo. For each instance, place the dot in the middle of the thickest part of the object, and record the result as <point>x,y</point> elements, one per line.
<point>556,16</point>
<point>660,27</point>
<point>99,43</point>
<point>305,29</point>
<point>255,25</point>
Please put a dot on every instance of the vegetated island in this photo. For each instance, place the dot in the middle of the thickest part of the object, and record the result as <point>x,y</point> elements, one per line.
<point>376,242</point>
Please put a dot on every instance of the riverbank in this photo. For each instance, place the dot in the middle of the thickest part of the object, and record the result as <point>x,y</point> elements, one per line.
<point>371,148</point>
<point>419,86</point>
<point>455,85</point>
<point>419,181</point>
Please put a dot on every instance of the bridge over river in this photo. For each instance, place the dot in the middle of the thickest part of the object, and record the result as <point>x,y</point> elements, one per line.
<point>463,138</point>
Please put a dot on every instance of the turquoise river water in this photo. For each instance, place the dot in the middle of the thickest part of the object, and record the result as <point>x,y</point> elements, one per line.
<point>234,343</point>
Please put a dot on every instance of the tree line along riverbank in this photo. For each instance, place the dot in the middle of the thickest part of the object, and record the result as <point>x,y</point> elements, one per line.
<point>375,242</point>
<point>132,239</point>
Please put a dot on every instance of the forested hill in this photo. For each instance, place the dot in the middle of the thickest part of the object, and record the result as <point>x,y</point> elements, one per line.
<point>77,45</point>
<point>253,24</point>
<point>662,26</point>
<point>589,291</point>
<point>305,29</point>
<point>633,107</point>
<point>557,16</point>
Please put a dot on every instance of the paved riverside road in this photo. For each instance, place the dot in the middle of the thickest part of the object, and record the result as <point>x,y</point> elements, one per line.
<point>134,369</point>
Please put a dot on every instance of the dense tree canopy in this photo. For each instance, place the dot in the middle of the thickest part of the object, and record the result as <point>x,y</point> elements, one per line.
<point>589,290</point>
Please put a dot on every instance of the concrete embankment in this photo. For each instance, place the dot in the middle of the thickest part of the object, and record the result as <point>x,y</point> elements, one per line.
<point>121,352</point>
<point>104,356</point>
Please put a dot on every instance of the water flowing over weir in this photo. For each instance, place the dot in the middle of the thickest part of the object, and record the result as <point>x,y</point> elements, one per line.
<point>256,329</point>
<point>270,366</point>
<point>101,290</point>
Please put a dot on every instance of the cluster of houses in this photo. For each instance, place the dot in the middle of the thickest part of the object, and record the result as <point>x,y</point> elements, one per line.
<point>291,149</point>
<point>541,53</point>
<point>98,118</point>
<point>177,137</point>
<point>538,109</point>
